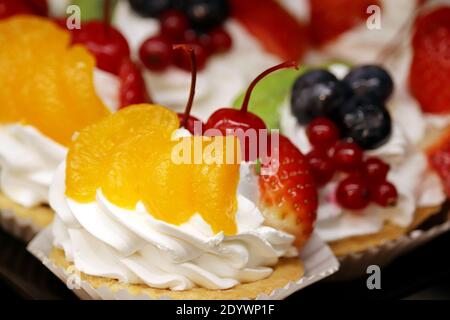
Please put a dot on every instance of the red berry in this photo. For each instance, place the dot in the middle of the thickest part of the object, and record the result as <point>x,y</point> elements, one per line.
<point>353,193</point>
<point>220,40</point>
<point>347,156</point>
<point>321,166</point>
<point>201,55</point>
<point>156,53</point>
<point>132,85</point>
<point>189,36</point>
<point>174,24</point>
<point>375,169</point>
<point>384,193</point>
<point>322,133</point>
<point>205,41</point>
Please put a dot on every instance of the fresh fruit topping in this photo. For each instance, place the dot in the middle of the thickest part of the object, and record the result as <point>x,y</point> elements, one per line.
<point>106,43</point>
<point>277,30</point>
<point>370,80</point>
<point>353,193</point>
<point>132,85</point>
<point>429,75</point>
<point>174,24</point>
<point>58,95</point>
<point>150,8</point>
<point>289,197</point>
<point>201,55</point>
<point>207,14</point>
<point>384,194</point>
<point>9,8</point>
<point>321,166</point>
<point>366,121</point>
<point>129,157</point>
<point>186,120</point>
<point>156,53</point>
<point>439,159</point>
<point>330,18</point>
<point>375,169</point>
<point>347,156</point>
<point>322,133</point>
<point>220,40</point>
<point>229,120</point>
<point>317,93</point>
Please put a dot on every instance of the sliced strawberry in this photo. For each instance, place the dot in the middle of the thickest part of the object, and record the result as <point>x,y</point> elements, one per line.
<point>132,85</point>
<point>331,18</point>
<point>439,159</point>
<point>289,197</point>
<point>278,31</point>
<point>429,76</point>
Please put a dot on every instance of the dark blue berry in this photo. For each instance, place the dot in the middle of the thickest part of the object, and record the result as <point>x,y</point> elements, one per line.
<point>206,14</point>
<point>318,93</point>
<point>373,80</point>
<point>150,8</point>
<point>366,121</point>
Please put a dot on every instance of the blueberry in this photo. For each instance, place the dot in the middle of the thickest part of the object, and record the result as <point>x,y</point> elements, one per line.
<point>150,8</point>
<point>372,80</point>
<point>206,14</point>
<point>318,93</point>
<point>366,121</point>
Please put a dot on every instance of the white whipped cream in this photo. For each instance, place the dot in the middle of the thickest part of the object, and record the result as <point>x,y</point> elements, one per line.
<point>104,240</point>
<point>223,79</point>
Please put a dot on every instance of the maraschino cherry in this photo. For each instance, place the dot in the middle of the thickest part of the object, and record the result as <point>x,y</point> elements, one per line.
<point>106,43</point>
<point>228,120</point>
<point>186,120</point>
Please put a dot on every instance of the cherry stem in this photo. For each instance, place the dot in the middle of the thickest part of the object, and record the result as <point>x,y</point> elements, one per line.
<point>107,15</point>
<point>284,65</point>
<point>189,51</point>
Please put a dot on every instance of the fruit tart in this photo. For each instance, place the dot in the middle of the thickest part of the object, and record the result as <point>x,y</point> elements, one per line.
<point>47,93</point>
<point>174,215</point>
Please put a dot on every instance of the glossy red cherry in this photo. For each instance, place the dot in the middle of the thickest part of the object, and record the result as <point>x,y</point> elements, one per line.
<point>174,24</point>
<point>190,123</point>
<point>347,156</point>
<point>321,166</point>
<point>375,169</point>
<point>384,194</point>
<point>220,40</point>
<point>322,133</point>
<point>132,85</point>
<point>9,8</point>
<point>353,193</point>
<point>156,53</point>
<point>228,120</point>
<point>201,56</point>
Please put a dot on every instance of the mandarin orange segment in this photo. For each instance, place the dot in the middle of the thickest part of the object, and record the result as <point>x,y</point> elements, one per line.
<point>129,156</point>
<point>44,82</point>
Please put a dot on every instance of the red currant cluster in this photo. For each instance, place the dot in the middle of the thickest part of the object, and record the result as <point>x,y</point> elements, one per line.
<point>364,177</point>
<point>156,52</point>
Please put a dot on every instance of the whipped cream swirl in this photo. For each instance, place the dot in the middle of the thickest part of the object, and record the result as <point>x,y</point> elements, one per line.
<point>132,246</point>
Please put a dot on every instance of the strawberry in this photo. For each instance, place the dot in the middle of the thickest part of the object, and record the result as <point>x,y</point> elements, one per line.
<point>439,159</point>
<point>288,199</point>
<point>132,85</point>
<point>278,31</point>
<point>331,18</point>
<point>429,74</point>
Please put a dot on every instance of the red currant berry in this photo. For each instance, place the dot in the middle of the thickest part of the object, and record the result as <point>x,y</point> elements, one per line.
<point>347,156</point>
<point>322,133</point>
<point>353,193</point>
<point>156,53</point>
<point>205,41</point>
<point>201,56</point>
<point>189,36</point>
<point>375,169</point>
<point>384,193</point>
<point>321,166</point>
<point>221,40</point>
<point>174,24</point>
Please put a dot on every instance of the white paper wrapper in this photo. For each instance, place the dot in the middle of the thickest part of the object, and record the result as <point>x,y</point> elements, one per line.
<point>355,265</point>
<point>22,228</point>
<point>317,258</point>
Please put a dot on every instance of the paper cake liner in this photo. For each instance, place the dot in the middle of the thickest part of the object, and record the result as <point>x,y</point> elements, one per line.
<point>317,258</point>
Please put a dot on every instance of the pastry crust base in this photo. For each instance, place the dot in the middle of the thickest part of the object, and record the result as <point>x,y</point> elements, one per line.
<point>388,233</point>
<point>40,216</point>
<point>285,271</point>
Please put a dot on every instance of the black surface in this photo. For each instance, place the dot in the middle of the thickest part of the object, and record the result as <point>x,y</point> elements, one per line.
<point>422,274</point>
